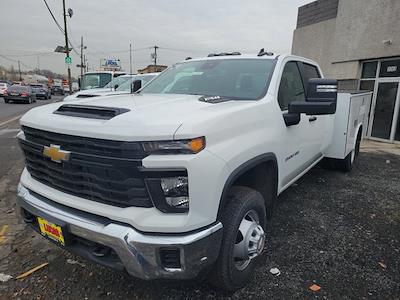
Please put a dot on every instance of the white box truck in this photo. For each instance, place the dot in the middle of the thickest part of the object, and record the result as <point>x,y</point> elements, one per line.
<point>181,177</point>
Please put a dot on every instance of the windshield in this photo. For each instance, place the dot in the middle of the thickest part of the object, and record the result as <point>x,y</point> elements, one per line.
<point>126,86</point>
<point>95,80</point>
<point>245,79</point>
<point>117,81</point>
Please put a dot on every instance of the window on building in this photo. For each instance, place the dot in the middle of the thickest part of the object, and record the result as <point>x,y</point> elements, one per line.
<point>369,69</point>
<point>367,85</point>
<point>390,68</point>
<point>291,87</point>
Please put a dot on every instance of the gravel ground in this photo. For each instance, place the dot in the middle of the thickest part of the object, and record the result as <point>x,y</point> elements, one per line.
<point>339,231</point>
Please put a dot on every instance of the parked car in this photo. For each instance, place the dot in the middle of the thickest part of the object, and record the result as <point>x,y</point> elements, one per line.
<point>3,88</point>
<point>66,88</point>
<point>57,90</point>
<point>75,86</point>
<point>117,86</point>
<point>41,91</point>
<point>20,93</point>
<point>181,177</point>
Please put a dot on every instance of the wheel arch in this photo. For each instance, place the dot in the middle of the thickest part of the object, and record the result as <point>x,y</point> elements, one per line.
<point>255,173</point>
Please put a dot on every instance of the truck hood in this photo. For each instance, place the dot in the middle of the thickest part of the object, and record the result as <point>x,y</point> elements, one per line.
<point>150,116</point>
<point>88,93</point>
<point>93,93</point>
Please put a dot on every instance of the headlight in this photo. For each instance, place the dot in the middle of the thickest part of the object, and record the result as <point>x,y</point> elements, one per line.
<point>191,146</point>
<point>169,191</point>
<point>176,191</point>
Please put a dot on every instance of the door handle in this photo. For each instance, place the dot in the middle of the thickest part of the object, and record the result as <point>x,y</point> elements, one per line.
<point>312,119</point>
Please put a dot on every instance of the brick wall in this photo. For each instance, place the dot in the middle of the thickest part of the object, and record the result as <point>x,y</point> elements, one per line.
<point>316,12</point>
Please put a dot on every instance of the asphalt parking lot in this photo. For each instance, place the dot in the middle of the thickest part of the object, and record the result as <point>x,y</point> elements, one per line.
<point>338,231</point>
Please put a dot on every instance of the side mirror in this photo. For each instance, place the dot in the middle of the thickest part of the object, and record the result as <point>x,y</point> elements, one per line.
<point>116,86</point>
<point>136,85</point>
<point>321,98</point>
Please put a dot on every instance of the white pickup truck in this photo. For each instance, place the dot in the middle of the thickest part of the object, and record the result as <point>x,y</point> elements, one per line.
<point>180,178</point>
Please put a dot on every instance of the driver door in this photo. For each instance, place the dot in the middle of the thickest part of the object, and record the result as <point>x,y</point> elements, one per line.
<point>301,143</point>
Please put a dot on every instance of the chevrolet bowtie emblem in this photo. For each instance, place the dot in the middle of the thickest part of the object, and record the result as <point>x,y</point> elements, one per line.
<point>55,153</point>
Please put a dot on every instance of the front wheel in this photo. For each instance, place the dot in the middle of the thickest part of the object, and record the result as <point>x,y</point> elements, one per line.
<point>244,221</point>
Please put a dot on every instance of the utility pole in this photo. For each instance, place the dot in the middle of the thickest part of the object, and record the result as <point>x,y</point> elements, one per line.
<point>81,57</point>
<point>67,47</point>
<point>130,58</point>
<point>19,70</point>
<point>85,62</point>
<point>155,58</point>
<point>83,67</point>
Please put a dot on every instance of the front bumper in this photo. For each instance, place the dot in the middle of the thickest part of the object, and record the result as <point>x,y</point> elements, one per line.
<point>137,253</point>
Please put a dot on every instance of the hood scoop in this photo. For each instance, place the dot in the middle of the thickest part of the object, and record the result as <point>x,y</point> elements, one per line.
<point>86,96</point>
<point>89,111</point>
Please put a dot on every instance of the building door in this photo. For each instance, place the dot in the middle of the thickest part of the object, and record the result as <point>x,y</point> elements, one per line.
<point>385,111</point>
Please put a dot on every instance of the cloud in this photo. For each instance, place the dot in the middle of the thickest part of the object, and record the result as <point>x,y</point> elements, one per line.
<point>180,27</point>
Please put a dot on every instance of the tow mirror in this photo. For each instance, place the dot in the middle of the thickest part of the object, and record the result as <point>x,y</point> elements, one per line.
<point>136,85</point>
<point>321,100</point>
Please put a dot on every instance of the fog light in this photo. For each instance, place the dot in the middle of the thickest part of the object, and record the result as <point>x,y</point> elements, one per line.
<point>176,191</point>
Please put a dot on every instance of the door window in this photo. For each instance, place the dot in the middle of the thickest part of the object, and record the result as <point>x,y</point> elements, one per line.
<point>384,109</point>
<point>291,87</point>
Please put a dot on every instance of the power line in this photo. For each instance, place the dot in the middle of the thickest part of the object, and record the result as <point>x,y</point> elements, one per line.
<point>59,27</point>
<point>118,51</point>
<point>54,18</point>
<point>30,54</point>
<point>16,61</point>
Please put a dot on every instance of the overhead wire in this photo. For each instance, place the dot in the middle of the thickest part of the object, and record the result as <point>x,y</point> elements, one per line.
<point>59,27</point>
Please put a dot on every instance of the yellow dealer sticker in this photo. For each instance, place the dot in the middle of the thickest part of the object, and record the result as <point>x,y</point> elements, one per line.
<point>52,231</point>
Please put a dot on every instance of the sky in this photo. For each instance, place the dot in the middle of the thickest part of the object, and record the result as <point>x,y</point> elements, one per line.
<point>181,28</point>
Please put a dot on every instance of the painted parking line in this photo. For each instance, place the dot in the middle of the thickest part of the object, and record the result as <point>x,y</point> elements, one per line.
<point>2,233</point>
<point>8,130</point>
<point>10,120</point>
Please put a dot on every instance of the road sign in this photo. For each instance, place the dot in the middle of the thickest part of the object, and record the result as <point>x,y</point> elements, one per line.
<point>68,60</point>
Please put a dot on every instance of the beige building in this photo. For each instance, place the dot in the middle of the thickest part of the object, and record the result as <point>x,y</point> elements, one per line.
<point>358,43</point>
<point>152,69</point>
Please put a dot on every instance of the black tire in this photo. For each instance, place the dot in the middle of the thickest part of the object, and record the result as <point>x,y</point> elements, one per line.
<point>358,142</point>
<point>346,165</point>
<point>241,201</point>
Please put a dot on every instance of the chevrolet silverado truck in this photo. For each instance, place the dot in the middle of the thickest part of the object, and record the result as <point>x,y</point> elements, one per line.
<point>180,178</point>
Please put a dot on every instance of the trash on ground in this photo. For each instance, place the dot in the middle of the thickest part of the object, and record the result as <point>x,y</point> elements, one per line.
<point>315,288</point>
<point>275,271</point>
<point>23,275</point>
<point>383,265</point>
<point>75,262</point>
<point>5,277</point>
